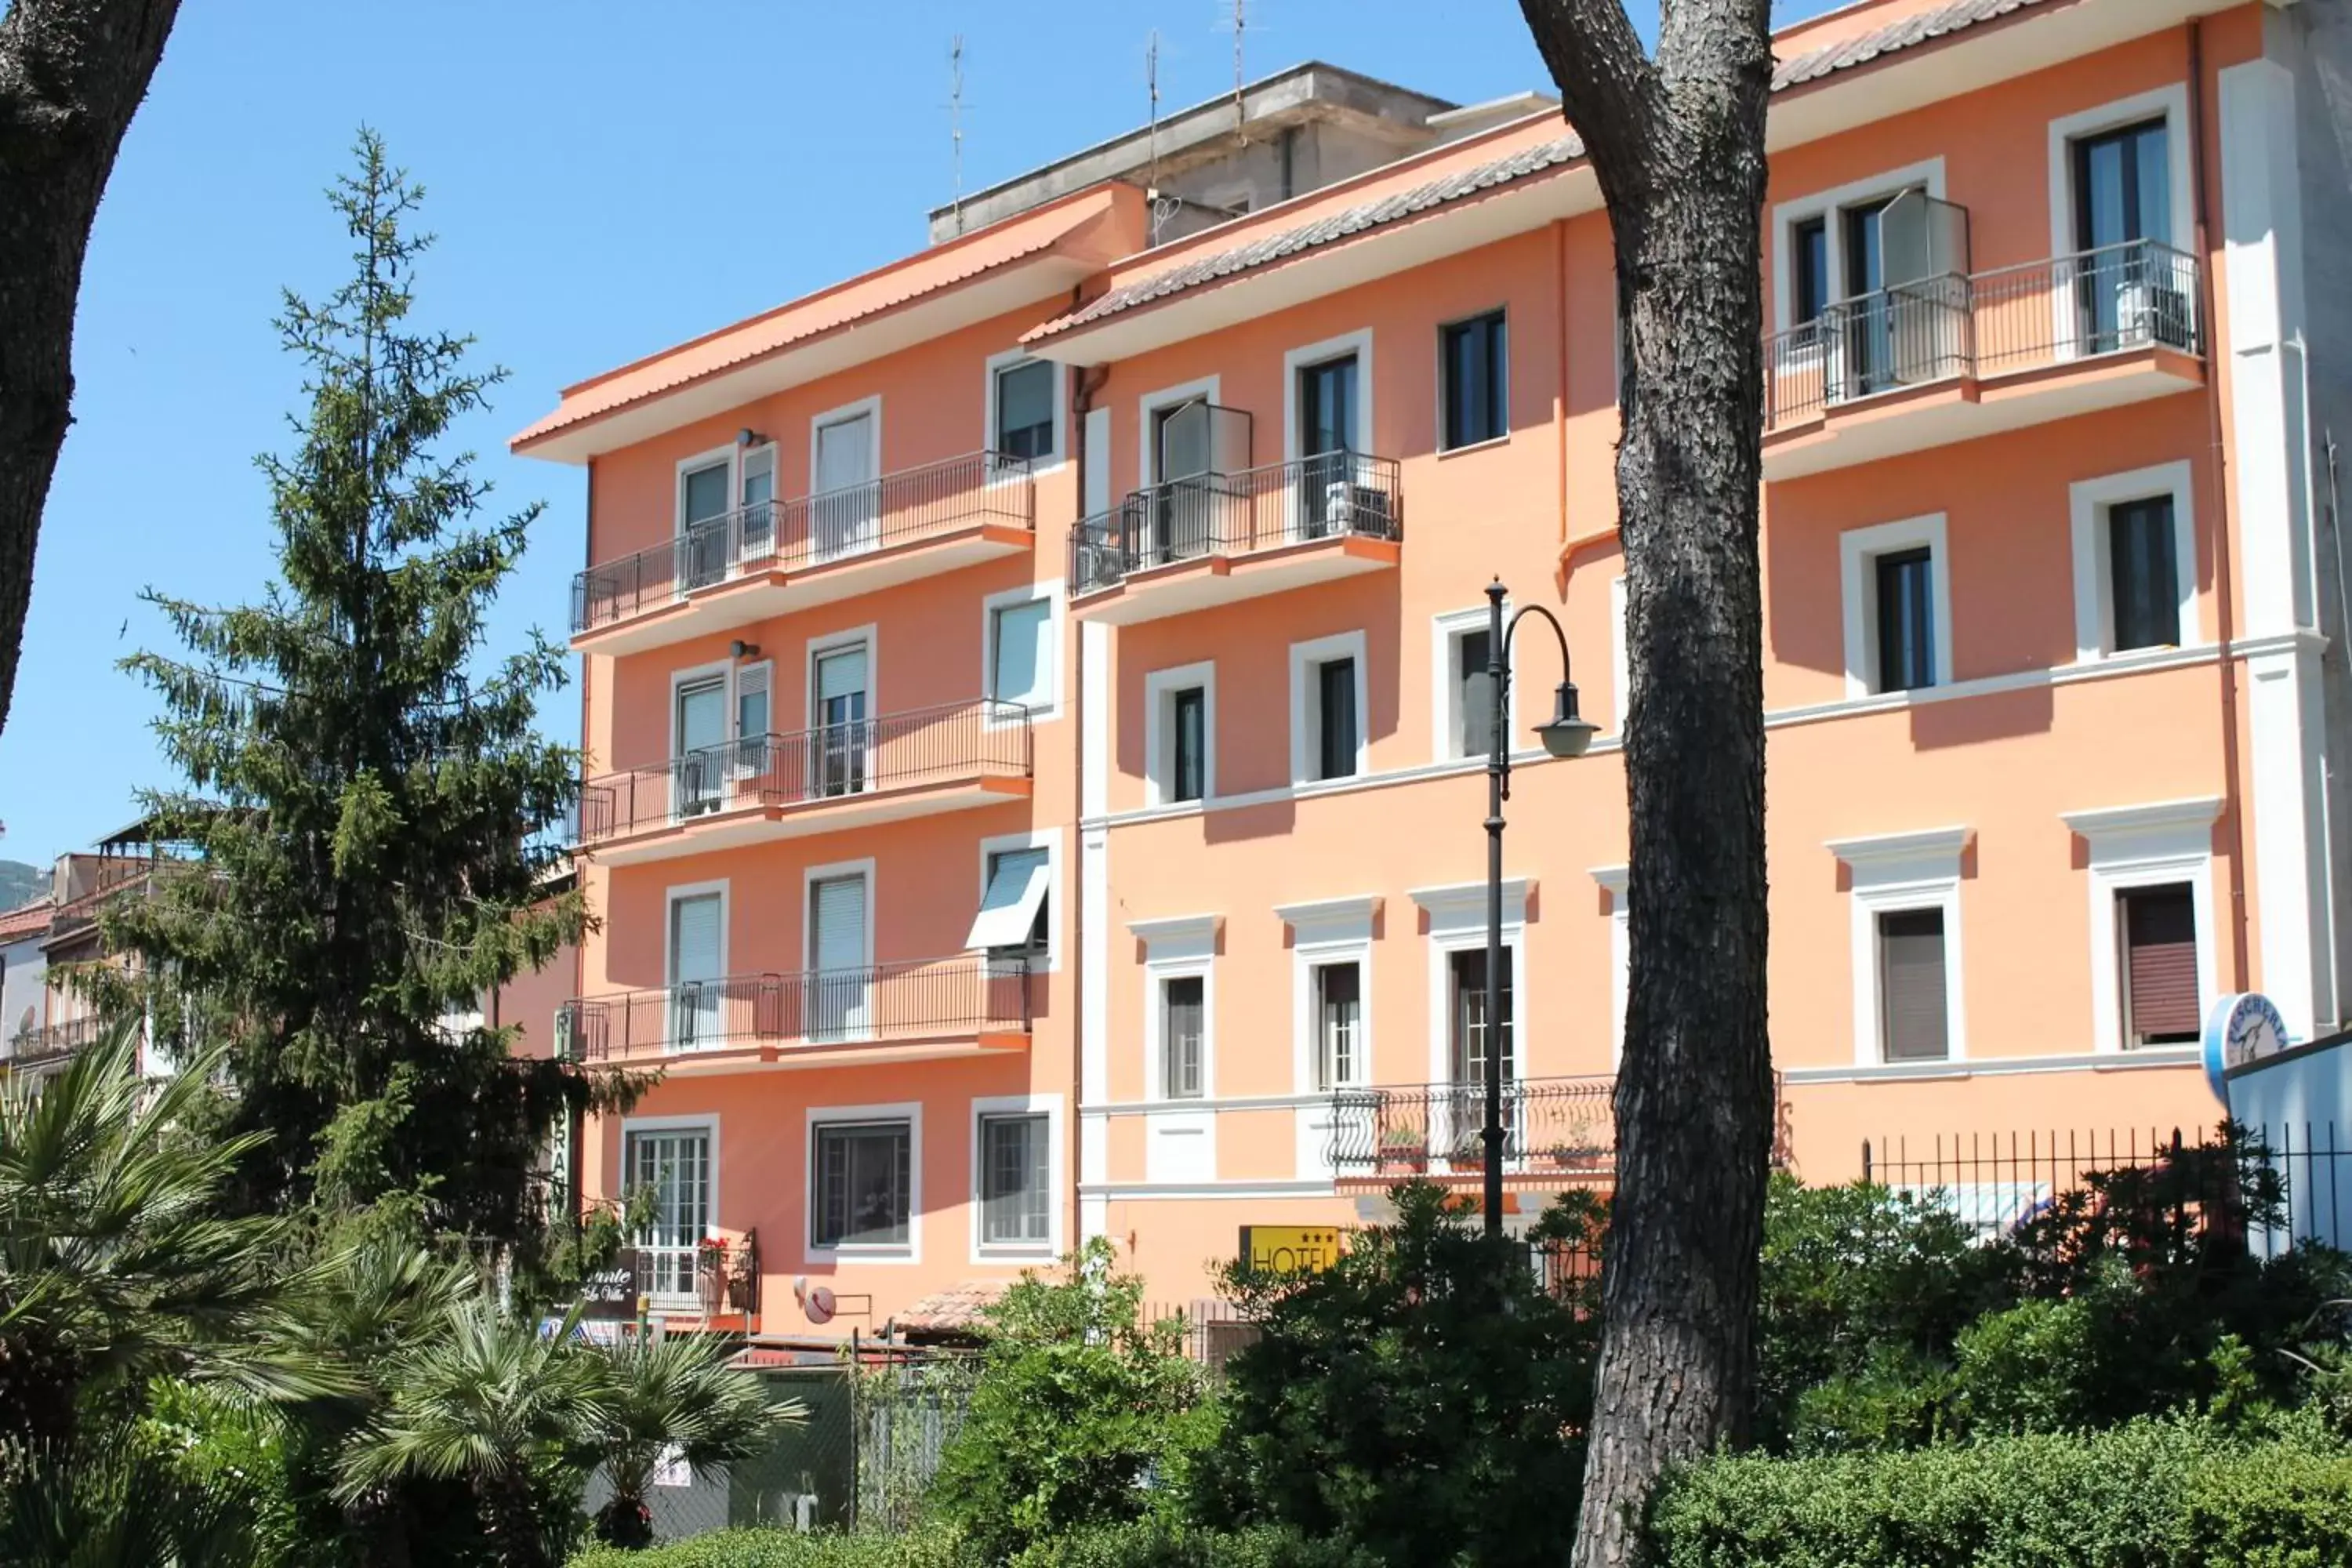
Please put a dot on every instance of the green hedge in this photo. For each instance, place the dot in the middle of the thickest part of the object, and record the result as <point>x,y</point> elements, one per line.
<point>785,1549</point>
<point>2152,1494</point>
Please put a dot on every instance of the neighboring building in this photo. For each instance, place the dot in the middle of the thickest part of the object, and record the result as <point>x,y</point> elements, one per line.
<point>1034,689</point>
<point>48,1015</point>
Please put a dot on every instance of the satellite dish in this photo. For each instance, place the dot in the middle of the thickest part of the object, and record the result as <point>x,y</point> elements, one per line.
<point>819,1305</point>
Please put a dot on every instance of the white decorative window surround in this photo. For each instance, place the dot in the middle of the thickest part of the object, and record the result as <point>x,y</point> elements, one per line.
<point>1179,1139</point>
<point>909,1114</point>
<point>1613,880</point>
<point>2155,845</point>
<point>1826,206</point>
<point>1159,689</point>
<point>1150,404</point>
<point>1307,705</point>
<point>1359,344</point>
<point>1048,1106</point>
<point>1456,914</point>
<point>1325,932</point>
<point>1891,874</point>
<point>663,1235</point>
<point>2169,104</point>
<point>1043,698</point>
<point>1446,633</point>
<point>2089,504</point>
<point>1858,549</point>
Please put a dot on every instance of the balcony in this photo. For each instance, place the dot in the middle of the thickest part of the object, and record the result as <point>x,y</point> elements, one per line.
<point>33,1047</point>
<point>1960,356</point>
<point>778,557</point>
<point>1558,1131</point>
<point>1222,538</point>
<point>967,1004</point>
<point>953,757</point>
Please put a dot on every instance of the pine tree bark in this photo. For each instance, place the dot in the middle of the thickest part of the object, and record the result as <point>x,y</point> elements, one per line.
<point>71,75</point>
<point>1677,141</point>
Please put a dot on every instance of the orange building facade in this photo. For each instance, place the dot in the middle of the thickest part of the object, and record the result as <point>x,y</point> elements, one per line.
<point>1035,692</point>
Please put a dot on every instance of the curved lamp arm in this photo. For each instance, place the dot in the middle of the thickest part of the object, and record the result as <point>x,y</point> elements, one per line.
<point>1568,733</point>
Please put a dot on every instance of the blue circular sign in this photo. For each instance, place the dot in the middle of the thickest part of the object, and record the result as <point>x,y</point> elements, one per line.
<point>2241,1028</point>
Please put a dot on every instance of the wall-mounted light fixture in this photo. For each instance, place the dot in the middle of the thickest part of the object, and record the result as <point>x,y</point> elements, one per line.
<point>743,649</point>
<point>747,437</point>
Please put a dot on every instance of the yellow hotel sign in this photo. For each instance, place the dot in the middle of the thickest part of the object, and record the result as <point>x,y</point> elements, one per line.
<point>1290,1248</point>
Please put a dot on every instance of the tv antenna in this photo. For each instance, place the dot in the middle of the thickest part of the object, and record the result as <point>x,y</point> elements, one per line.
<point>1162,208</point>
<point>955,126</point>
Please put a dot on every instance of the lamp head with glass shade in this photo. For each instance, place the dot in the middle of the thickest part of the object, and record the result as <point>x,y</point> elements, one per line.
<point>1568,734</point>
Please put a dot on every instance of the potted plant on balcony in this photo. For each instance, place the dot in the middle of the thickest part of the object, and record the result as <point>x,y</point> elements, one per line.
<point>710,1274</point>
<point>743,1276</point>
<point>1404,1148</point>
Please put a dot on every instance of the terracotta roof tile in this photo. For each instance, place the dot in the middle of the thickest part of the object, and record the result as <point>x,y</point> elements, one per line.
<point>1906,32</point>
<point>959,1309</point>
<point>27,921</point>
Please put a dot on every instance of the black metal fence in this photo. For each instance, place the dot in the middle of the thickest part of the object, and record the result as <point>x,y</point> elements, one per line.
<point>1328,496</point>
<point>1551,1126</point>
<point>951,741</point>
<point>2137,295</point>
<point>911,999</point>
<point>2278,1186</point>
<point>896,508</point>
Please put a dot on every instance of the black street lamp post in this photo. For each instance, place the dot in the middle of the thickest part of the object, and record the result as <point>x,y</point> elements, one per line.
<point>1566,735</point>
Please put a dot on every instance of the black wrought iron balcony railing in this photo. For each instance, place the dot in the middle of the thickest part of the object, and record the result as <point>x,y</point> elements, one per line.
<point>832,762</point>
<point>2138,295</point>
<point>1329,496</point>
<point>901,508</point>
<point>929,998</point>
<point>1563,1126</point>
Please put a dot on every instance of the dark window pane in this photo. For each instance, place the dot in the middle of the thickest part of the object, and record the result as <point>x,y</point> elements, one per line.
<point>1336,694</point>
<point>1024,410</point>
<point>1810,241</point>
<point>1014,1179</point>
<point>1183,1016</point>
<point>862,1192</point>
<point>2143,576</point>
<point>1467,971</point>
<point>1475,370</point>
<point>1911,986</point>
<point>1187,779</point>
<point>1338,1022</point>
<point>2159,931</point>
<point>1907,643</point>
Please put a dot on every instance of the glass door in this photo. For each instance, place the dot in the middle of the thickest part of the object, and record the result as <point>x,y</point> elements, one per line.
<point>842,732</point>
<point>840,971</point>
<point>699,769</point>
<point>695,962</point>
<point>1326,436</point>
<point>2123,215</point>
<point>702,525</point>
<point>749,765</point>
<point>845,512</point>
<point>1869,334</point>
<point>758,498</point>
<point>1184,520</point>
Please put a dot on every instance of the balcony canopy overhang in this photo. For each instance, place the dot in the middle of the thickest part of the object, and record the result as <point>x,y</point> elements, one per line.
<point>1019,262</point>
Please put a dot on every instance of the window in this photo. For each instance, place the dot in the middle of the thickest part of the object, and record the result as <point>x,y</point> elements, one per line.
<point>1019,654</point>
<point>2143,577</point>
<point>1338,1025</point>
<point>1475,704</point>
<point>1466,974</point>
<point>1904,583</point>
<point>698,959</point>
<point>672,1168</point>
<point>1014,921</point>
<point>2158,927</point>
<point>2122,185</point>
<point>702,493</point>
<point>1025,411</point>
<point>862,1181</point>
<point>1913,1012</point>
<point>1475,366</point>
<point>1335,719</point>
<point>1188,744</point>
<point>1809,245</point>
<point>1015,1180</point>
<point>1183,1021</point>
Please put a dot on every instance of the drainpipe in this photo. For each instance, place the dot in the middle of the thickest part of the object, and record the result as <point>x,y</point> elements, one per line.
<point>2224,564</point>
<point>1090,379</point>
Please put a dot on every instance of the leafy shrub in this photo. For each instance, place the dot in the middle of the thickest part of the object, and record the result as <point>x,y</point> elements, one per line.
<point>1077,1409</point>
<point>1420,1400</point>
<point>1152,1545</point>
<point>788,1549</point>
<point>2155,1493</point>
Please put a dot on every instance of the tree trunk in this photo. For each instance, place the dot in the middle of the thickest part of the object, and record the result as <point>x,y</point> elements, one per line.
<point>1677,141</point>
<point>71,74</point>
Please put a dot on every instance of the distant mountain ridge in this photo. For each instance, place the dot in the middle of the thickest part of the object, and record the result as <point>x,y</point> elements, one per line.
<point>20,884</point>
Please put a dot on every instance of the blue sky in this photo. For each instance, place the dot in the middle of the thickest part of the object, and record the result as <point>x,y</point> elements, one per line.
<point>607,178</point>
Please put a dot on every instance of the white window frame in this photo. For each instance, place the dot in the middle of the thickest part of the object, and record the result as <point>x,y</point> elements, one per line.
<point>1150,404</point>
<point>2168,104</point>
<point>848,411</point>
<point>1456,916</point>
<point>1830,205</point>
<point>1049,839</point>
<point>704,1122</point>
<point>1893,874</point>
<point>1329,931</point>
<point>1053,592</point>
<point>2158,844</point>
<point>1446,630</point>
<point>810,876</point>
<point>1858,550</point>
<point>724,670</point>
<point>670,924</point>
<point>824,643</point>
<point>1358,343</point>
<point>1306,709</point>
<point>1620,656</point>
<point>1174,948</point>
<point>1013,359</point>
<point>1437,435</point>
<point>1614,880</point>
<point>1159,689</point>
<point>728,456</point>
<point>2089,504</point>
<point>1049,1106</point>
<point>911,1112</point>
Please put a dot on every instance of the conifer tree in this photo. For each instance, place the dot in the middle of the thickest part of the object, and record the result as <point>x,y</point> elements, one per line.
<point>355,868</point>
